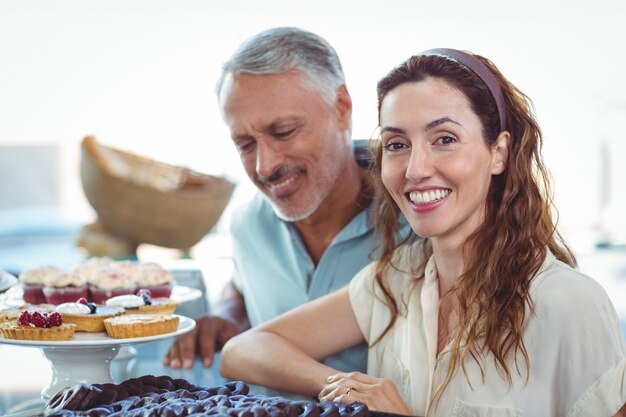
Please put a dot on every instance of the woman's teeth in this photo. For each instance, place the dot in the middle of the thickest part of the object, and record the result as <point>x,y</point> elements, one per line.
<point>417,197</point>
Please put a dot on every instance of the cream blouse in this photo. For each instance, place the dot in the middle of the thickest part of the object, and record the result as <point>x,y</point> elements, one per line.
<point>574,342</point>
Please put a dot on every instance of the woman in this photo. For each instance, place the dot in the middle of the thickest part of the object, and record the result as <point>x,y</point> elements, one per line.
<point>486,316</point>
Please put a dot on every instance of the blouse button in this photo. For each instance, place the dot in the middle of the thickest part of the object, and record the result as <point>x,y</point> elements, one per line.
<point>406,377</point>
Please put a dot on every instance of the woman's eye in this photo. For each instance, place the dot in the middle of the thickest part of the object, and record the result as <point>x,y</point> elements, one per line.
<point>445,140</point>
<point>393,146</point>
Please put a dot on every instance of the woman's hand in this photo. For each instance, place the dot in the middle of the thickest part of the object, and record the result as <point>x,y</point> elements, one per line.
<point>377,393</point>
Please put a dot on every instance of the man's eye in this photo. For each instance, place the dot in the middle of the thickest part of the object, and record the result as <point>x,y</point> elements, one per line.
<point>246,146</point>
<point>283,134</point>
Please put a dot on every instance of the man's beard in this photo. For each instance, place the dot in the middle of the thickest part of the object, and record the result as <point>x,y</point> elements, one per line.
<point>309,200</point>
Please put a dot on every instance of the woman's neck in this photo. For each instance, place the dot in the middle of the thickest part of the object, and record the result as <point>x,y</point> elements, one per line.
<point>449,261</point>
<point>448,252</point>
<point>450,266</point>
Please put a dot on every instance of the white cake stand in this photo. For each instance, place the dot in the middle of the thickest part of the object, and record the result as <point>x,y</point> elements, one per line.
<point>87,357</point>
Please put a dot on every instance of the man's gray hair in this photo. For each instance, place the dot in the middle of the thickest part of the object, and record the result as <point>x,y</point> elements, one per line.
<point>278,50</point>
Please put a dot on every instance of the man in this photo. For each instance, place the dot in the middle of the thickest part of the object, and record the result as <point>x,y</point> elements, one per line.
<point>283,96</point>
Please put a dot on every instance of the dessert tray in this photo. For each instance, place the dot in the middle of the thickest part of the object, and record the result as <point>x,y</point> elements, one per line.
<point>86,358</point>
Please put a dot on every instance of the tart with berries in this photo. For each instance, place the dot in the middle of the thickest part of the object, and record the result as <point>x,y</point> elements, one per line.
<point>12,313</point>
<point>88,317</point>
<point>38,326</point>
<point>143,303</point>
<point>141,325</point>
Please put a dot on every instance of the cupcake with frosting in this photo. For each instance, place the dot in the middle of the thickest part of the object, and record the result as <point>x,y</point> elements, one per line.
<point>33,281</point>
<point>86,267</point>
<point>64,288</point>
<point>109,281</point>
<point>153,277</point>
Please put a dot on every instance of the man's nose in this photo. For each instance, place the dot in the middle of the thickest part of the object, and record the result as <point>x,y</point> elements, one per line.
<point>268,158</point>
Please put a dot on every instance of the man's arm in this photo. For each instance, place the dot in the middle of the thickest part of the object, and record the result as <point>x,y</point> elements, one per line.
<point>232,306</point>
<point>212,331</point>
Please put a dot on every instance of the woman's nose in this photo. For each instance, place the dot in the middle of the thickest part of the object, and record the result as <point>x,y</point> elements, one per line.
<point>420,165</point>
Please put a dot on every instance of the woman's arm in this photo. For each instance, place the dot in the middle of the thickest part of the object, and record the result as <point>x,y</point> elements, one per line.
<point>284,353</point>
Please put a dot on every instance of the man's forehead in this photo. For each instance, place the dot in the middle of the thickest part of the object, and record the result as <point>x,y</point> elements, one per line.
<point>243,128</point>
<point>263,102</point>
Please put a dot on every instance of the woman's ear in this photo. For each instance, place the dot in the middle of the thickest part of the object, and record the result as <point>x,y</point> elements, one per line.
<point>500,153</point>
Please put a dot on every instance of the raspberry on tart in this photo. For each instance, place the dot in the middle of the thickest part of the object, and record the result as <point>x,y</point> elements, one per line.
<point>38,326</point>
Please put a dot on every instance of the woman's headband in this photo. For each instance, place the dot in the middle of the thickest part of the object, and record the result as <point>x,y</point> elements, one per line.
<point>479,69</point>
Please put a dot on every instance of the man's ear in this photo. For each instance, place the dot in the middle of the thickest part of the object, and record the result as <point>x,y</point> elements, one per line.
<point>500,153</point>
<point>343,105</point>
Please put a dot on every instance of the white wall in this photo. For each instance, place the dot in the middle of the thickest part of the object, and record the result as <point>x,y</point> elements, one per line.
<point>140,75</point>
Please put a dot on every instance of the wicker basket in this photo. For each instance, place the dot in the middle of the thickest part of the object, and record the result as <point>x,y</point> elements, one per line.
<point>145,201</point>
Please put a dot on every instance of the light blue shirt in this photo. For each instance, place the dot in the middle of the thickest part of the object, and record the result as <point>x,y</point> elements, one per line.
<point>275,273</point>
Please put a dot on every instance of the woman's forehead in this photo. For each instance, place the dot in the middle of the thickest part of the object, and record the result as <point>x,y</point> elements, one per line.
<point>429,99</point>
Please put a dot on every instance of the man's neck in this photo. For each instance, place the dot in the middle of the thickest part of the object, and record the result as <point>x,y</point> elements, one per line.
<point>344,203</point>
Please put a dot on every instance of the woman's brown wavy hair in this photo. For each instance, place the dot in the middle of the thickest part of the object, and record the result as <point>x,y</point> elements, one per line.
<point>504,253</point>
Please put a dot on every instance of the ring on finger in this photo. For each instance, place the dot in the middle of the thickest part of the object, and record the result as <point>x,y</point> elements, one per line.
<point>348,390</point>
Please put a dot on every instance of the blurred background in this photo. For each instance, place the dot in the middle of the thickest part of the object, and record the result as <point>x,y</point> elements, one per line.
<point>140,75</point>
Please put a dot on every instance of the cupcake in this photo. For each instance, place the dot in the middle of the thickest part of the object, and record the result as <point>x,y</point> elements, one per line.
<point>153,277</point>
<point>64,288</point>
<point>140,325</point>
<point>85,268</point>
<point>88,317</point>
<point>142,304</point>
<point>37,326</point>
<point>32,281</point>
<point>109,281</point>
